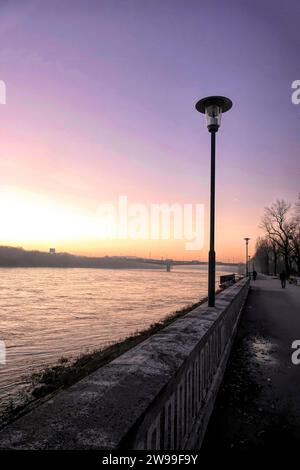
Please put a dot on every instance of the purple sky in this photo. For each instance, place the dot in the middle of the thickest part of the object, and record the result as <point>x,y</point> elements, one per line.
<point>101,95</point>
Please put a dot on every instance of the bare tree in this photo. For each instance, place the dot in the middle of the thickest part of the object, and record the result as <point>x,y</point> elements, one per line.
<point>275,255</point>
<point>279,229</point>
<point>295,249</point>
<point>263,254</point>
<point>297,210</point>
<point>295,239</point>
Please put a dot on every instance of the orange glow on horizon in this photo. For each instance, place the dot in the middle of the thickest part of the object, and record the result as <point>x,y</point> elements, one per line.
<point>36,221</point>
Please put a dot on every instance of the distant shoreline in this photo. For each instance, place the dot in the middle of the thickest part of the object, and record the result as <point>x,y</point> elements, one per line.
<point>11,257</point>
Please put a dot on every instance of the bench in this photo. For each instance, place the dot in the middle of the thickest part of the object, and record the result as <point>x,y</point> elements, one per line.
<point>226,280</point>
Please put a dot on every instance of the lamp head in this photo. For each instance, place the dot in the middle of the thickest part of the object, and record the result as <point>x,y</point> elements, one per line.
<point>213,107</point>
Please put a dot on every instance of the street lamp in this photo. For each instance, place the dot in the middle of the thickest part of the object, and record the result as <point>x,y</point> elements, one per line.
<point>213,107</point>
<point>247,259</point>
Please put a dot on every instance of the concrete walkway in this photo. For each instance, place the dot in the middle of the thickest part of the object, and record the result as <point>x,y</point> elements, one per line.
<point>258,405</point>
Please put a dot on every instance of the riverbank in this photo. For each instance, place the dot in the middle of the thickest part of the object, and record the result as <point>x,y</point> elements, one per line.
<point>47,314</point>
<point>47,382</point>
<point>132,402</point>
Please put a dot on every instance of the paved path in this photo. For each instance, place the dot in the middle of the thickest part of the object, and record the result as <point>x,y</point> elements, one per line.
<point>258,405</point>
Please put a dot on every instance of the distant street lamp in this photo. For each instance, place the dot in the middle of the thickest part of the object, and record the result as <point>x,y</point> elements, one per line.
<point>247,259</point>
<point>213,107</point>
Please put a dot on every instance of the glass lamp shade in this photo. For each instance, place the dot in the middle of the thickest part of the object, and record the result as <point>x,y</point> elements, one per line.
<point>213,107</point>
<point>213,114</point>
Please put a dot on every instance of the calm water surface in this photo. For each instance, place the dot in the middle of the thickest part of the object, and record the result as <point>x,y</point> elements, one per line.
<point>50,313</point>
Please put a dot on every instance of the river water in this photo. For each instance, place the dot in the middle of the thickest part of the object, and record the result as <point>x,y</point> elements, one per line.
<point>50,313</point>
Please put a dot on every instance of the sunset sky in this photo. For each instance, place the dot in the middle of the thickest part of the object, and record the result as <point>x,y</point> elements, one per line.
<point>100,103</point>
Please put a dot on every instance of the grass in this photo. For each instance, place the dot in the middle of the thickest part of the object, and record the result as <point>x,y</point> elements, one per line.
<point>66,372</point>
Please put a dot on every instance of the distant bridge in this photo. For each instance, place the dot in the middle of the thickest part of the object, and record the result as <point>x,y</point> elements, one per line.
<point>170,262</point>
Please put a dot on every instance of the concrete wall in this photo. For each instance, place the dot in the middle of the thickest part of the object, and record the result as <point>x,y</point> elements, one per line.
<point>158,395</point>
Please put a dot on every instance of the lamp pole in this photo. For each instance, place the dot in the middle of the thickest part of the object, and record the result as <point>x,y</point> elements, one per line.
<point>212,253</point>
<point>213,107</point>
<point>247,259</point>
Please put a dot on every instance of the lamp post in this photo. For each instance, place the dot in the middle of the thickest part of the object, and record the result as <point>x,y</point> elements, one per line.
<point>247,259</point>
<point>213,107</point>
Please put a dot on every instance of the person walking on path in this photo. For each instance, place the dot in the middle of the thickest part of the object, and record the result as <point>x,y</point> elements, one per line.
<point>254,275</point>
<point>283,279</point>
